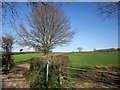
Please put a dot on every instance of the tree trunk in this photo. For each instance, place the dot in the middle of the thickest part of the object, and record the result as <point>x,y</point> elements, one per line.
<point>45,51</point>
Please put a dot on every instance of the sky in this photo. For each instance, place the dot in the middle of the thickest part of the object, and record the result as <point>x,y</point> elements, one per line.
<point>93,31</point>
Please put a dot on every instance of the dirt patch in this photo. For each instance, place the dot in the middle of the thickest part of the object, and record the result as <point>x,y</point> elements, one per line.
<point>95,79</point>
<point>82,79</point>
<point>15,78</point>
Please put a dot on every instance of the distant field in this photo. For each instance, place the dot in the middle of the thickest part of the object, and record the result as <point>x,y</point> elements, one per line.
<point>93,59</point>
<point>87,59</point>
<point>20,58</point>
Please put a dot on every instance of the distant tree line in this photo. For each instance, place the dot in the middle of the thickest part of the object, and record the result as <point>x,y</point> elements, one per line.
<point>107,50</point>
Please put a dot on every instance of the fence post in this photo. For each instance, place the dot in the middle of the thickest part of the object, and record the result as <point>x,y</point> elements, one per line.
<point>47,72</point>
<point>60,76</point>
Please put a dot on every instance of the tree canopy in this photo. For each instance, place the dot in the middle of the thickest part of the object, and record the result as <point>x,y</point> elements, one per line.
<point>48,28</point>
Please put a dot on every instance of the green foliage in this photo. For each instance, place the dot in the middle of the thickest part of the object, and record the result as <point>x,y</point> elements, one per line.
<point>37,75</point>
<point>37,78</point>
<point>7,42</point>
<point>53,77</point>
<point>116,69</point>
<point>7,62</point>
<point>5,70</point>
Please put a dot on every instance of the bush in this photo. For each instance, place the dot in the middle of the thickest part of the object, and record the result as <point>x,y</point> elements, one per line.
<point>7,62</point>
<point>5,70</point>
<point>36,78</point>
<point>37,72</point>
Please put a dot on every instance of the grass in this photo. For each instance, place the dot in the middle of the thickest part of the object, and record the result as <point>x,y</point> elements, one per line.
<point>84,59</point>
<point>93,59</point>
<point>21,58</point>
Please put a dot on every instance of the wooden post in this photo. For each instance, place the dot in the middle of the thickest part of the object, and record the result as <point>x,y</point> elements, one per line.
<point>60,76</point>
<point>47,72</point>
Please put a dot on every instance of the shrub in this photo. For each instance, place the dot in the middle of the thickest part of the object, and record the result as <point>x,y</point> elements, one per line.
<point>37,72</point>
<point>7,63</point>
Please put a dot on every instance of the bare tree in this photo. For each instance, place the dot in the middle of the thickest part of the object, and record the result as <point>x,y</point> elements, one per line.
<point>79,48</point>
<point>10,11</point>
<point>7,42</point>
<point>48,28</point>
<point>9,8</point>
<point>107,9</point>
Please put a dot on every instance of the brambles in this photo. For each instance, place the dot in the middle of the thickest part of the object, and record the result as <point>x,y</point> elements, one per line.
<point>37,72</point>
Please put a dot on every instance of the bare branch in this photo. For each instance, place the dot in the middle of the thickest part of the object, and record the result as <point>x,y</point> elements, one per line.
<point>108,9</point>
<point>48,28</point>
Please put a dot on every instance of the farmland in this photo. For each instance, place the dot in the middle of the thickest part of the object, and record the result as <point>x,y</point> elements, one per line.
<point>93,59</point>
<point>20,58</point>
<point>83,59</point>
<point>80,78</point>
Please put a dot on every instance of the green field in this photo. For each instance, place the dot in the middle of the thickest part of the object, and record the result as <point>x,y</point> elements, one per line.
<point>86,59</point>
<point>19,58</point>
<point>93,59</point>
